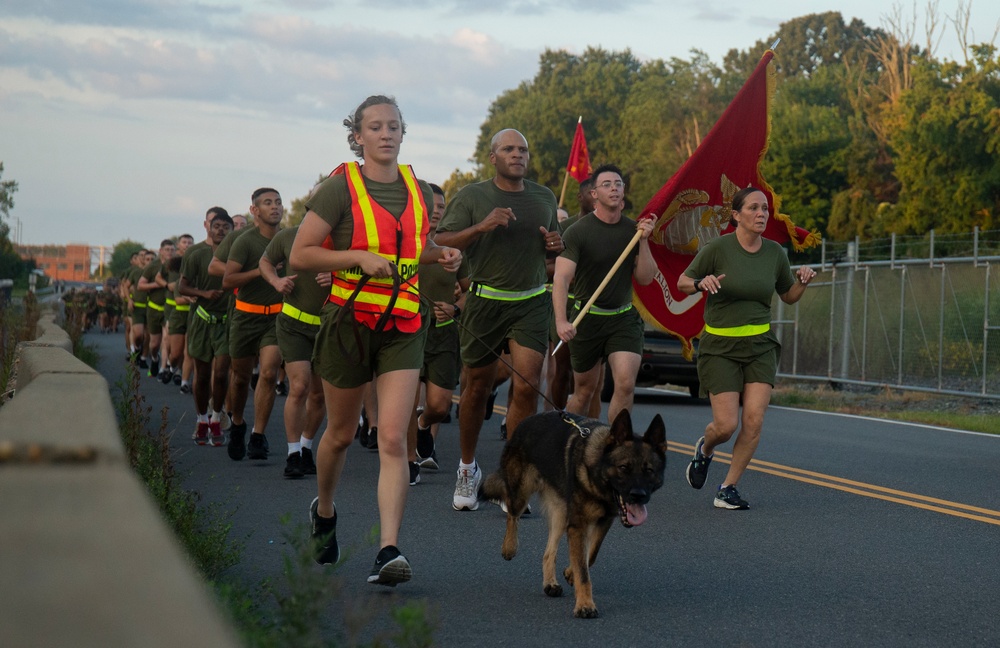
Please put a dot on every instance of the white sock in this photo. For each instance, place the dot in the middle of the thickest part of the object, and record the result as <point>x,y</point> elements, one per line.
<point>185,382</point>
<point>216,416</point>
<point>294,448</point>
<point>307,443</point>
<point>203,418</point>
<point>464,466</point>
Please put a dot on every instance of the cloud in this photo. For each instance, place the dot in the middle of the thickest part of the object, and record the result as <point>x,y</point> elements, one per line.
<point>155,14</point>
<point>284,67</point>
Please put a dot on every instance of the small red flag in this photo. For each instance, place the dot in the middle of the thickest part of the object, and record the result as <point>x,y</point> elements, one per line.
<point>693,206</point>
<point>579,157</point>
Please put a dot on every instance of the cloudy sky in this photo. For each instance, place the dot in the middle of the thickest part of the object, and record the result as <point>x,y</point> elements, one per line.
<point>129,118</point>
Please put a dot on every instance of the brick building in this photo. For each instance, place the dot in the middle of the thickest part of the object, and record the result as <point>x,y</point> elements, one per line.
<point>60,262</point>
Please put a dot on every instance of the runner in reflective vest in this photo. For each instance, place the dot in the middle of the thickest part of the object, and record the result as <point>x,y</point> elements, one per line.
<point>399,241</point>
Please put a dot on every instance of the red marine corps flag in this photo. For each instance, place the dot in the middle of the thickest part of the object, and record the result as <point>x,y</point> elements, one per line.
<point>693,207</point>
<point>579,159</point>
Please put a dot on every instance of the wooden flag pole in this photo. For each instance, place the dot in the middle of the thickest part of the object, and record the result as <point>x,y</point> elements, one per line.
<point>562,196</point>
<point>604,283</point>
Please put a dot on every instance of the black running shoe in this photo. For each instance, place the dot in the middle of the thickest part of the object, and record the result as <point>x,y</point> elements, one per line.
<point>281,389</point>
<point>729,498</point>
<point>489,405</point>
<point>257,447</point>
<point>254,377</point>
<point>166,376</point>
<point>391,568</point>
<point>425,442</point>
<point>697,470</point>
<point>503,429</point>
<point>429,463</point>
<point>308,463</point>
<point>324,535</point>
<point>293,465</point>
<point>154,369</point>
<point>177,378</point>
<point>142,363</point>
<point>185,389</point>
<point>414,472</point>
<point>369,438</point>
<point>237,441</point>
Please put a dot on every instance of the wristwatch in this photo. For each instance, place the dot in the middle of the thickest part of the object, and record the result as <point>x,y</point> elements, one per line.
<point>458,311</point>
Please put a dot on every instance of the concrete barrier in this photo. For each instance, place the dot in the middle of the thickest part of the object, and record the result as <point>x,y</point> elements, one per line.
<point>85,557</point>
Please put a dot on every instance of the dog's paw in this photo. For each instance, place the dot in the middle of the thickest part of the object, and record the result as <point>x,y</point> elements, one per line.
<point>568,575</point>
<point>553,589</point>
<point>585,612</point>
<point>508,549</point>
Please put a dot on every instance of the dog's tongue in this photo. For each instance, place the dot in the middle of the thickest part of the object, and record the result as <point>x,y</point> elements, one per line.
<point>636,513</point>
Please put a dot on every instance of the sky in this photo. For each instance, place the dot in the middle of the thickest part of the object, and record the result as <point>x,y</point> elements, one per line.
<point>128,119</point>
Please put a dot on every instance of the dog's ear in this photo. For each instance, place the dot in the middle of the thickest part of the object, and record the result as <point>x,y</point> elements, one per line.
<point>656,434</point>
<point>621,429</point>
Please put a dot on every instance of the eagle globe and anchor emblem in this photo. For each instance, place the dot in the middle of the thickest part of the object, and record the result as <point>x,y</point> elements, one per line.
<point>687,225</point>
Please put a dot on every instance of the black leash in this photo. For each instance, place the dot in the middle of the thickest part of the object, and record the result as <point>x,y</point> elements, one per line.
<point>380,324</point>
<point>397,284</point>
<point>499,356</point>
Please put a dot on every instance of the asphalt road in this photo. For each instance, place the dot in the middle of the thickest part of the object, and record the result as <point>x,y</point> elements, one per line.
<point>860,533</point>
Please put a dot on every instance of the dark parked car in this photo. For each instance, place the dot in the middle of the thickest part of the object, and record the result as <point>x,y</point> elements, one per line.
<point>662,362</point>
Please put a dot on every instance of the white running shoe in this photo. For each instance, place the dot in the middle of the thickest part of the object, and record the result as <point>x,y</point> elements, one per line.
<point>467,489</point>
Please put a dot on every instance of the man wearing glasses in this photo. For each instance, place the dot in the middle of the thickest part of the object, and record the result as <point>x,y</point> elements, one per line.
<point>612,328</point>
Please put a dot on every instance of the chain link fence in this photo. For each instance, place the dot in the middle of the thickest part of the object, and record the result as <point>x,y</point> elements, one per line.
<point>926,324</point>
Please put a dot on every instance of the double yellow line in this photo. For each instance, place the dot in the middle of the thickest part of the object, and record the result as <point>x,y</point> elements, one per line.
<point>955,509</point>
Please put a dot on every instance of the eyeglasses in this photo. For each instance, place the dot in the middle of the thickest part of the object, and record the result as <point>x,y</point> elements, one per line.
<point>607,184</point>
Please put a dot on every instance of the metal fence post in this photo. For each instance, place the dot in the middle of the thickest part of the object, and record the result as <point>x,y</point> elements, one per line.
<point>864,326</point>
<point>986,323</point>
<point>845,336</point>
<point>902,311</point>
<point>941,329</point>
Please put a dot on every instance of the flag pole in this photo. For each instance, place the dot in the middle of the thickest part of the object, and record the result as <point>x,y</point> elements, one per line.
<point>562,196</point>
<point>600,288</point>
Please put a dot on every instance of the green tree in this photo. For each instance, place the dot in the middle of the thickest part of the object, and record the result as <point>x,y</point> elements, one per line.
<point>595,85</point>
<point>807,160</point>
<point>297,210</point>
<point>945,133</point>
<point>121,256</point>
<point>11,265</point>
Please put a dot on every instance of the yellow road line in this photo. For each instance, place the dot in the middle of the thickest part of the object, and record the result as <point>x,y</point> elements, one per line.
<point>946,507</point>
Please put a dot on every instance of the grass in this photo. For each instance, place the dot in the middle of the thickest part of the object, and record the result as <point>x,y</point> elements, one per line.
<point>203,531</point>
<point>963,413</point>
<point>307,606</point>
<point>17,324</point>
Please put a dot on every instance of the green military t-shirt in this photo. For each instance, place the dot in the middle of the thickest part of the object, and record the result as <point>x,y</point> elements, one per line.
<point>595,246</point>
<point>157,295</point>
<point>194,248</point>
<point>437,284</point>
<point>137,295</point>
<point>222,252</point>
<point>331,201</point>
<point>751,280</point>
<point>246,252</point>
<point>194,268</point>
<point>307,295</point>
<point>512,257</point>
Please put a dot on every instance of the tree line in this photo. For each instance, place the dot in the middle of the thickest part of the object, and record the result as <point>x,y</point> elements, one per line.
<point>870,133</point>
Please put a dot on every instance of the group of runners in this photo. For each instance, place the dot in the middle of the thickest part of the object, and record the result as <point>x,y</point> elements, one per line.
<point>386,295</point>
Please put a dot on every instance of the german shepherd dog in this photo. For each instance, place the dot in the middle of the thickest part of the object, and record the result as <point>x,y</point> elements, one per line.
<point>588,474</point>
